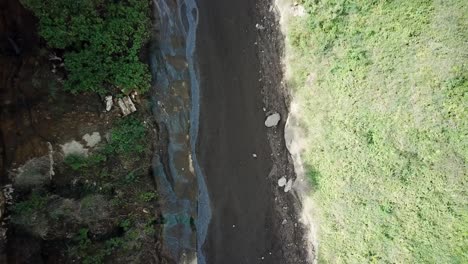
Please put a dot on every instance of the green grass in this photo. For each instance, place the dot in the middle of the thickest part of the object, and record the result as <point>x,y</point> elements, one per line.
<point>383,90</point>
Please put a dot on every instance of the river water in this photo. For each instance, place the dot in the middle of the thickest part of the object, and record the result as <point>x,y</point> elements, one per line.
<point>181,183</point>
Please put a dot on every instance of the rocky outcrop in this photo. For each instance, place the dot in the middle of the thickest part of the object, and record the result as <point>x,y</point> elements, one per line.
<point>35,173</point>
<point>61,218</point>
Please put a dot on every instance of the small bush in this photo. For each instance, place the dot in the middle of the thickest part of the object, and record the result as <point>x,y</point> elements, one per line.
<point>132,177</point>
<point>82,239</point>
<point>127,137</point>
<point>148,196</point>
<point>35,202</point>
<point>126,224</point>
<point>79,162</point>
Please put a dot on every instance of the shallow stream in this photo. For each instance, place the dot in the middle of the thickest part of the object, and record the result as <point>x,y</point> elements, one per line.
<point>175,92</point>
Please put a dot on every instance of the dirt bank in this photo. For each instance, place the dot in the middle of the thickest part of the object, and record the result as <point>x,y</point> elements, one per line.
<point>239,49</point>
<point>67,207</point>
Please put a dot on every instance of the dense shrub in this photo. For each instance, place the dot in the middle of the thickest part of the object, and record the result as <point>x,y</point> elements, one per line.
<point>101,40</point>
<point>127,137</point>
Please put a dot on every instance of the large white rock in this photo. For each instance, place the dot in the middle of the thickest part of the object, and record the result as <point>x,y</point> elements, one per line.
<point>92,139</point>
<point>272,120</point>
<point>74,148</point>
<point>109,103</point>
<point>288,186</point>
<point>282,182</point>
<point>126,105</point>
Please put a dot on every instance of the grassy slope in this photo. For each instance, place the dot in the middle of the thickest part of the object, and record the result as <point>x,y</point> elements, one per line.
<point>383,87</point>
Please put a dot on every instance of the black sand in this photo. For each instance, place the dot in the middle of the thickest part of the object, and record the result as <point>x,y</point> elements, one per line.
<point>246,226</point>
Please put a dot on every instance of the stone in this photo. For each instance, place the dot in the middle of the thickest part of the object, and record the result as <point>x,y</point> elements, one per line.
<point>74,148</point>
<point>62,218</point>
<point>282,182</point>
<point>51,160</point>
<point>272,120</point>
<point>288,186</point>
<point>2,206</point>
<point>126,105</point>
<point>92,139</point>
<point>34,173</point>
<point>97,213</point>
<point>109,103</point>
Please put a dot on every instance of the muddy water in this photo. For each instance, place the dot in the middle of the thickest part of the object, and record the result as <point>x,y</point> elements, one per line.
<point>184,198</point>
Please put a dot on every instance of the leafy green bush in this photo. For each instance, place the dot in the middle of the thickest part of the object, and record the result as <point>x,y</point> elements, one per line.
<point>127,137</point>
<point>78,162</point>
<point>126,224</point>
<point>147,196</point>
<point>36,202</point>
<point>101,40</point>
<point>82,239</point>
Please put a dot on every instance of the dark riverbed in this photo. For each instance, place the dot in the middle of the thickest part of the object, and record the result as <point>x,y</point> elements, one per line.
<point>246,222</point>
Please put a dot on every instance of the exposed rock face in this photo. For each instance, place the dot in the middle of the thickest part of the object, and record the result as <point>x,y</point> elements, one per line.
<point>97,213</point>
<point>92,139</point>
<point>61,218</point>
<point>74,148</point>
<point>35,173</point>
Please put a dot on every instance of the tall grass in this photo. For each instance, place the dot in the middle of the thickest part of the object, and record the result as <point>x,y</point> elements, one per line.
<point>383,90</point>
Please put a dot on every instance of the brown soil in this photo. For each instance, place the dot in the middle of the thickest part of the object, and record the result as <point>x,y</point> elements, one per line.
<point>35,111</point>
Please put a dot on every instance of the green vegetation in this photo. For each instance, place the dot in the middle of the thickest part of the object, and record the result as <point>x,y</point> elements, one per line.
<point>83,248</point>
<point>126,224</point>
<point>101,41</point>
<point>148,196</point>
<point>383,91</point>
<point>35,202</point>
<point>132,177</point>
<point>78,162</point>
<point>91,253</point>
<point>127,137</point>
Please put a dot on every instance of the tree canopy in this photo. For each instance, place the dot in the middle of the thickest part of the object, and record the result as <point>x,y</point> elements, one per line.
<point>101,40</point>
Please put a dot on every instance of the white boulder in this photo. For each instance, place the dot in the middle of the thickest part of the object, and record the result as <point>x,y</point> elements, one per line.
<point>272,120</point>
